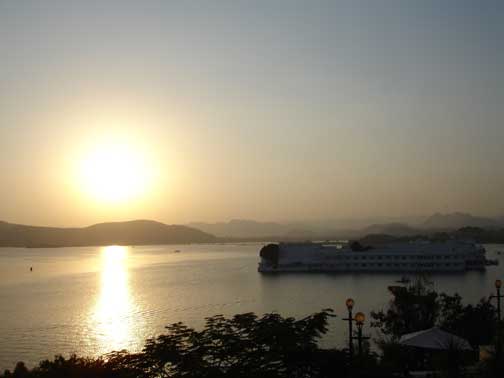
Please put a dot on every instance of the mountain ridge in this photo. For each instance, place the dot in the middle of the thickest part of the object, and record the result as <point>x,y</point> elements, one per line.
<point>142,231</point>
<point>458,220</point>
<point>135,232</point>
<point>399,226</point>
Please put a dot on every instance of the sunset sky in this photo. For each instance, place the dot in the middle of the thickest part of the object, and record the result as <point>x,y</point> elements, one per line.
<point>185,111</point>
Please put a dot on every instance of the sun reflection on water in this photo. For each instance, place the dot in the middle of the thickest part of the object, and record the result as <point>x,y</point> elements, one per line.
<point>112,314</point>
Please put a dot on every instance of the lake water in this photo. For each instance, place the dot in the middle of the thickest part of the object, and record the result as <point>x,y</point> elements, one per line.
<point>93,300</point>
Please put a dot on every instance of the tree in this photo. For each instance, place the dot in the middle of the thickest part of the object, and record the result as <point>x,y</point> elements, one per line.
<point>476,323</point>
<point>241,346</point>
<point>413,308</point>
<point>20,371</point>
<point>80,367</point>
<point>417,307</point>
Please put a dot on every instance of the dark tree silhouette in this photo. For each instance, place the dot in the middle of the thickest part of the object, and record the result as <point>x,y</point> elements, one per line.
<point>242,346</point>
<point>413,308</point>
<point>476,323</point>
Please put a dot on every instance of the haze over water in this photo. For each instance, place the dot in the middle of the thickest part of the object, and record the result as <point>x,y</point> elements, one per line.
<point>281,111</point>
<point>94,300</point>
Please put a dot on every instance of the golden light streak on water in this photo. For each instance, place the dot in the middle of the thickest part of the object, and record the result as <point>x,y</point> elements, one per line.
<point>112,313</point>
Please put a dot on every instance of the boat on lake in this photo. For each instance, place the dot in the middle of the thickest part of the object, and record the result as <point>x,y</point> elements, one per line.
<point>416,256</point>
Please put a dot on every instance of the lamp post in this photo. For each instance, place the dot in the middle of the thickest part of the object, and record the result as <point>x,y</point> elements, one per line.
<point>359,320</point>
<point>349,304</point>
<point>498,285</point>
<point>498,340</point>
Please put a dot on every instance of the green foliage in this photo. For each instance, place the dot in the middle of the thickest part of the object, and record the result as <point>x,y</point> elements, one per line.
<point>244,345</point>
<point>417,307</point>
<point>462,320</point>
<point>115,365</point>
<point>20,371</point>
<point>394,356</point>
<point>270,252</point>
<point>241,346</point>
<point>72,367</point>
<point>413,308</point>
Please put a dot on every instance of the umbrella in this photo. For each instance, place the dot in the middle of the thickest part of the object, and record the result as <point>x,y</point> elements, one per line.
<point>434,338</point>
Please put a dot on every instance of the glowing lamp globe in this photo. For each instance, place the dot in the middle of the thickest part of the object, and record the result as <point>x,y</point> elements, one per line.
<point>359,318</point>
<point>349,303</point>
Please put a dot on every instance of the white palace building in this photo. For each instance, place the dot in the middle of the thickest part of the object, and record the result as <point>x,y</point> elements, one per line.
<point>418,256</point>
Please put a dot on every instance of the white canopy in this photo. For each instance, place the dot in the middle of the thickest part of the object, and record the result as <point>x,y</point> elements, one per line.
<point>434,338</point>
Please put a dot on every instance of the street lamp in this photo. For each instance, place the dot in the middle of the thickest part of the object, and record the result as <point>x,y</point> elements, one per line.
<point>359,320</point>
<point>498,342</point>
<point>498,285</point>
<point>350,304</point>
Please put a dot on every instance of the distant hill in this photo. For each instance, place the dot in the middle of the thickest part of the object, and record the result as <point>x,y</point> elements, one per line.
<point>242,228</point>
<point>396,229</point>
<point>477,234</point>
<point>138,232</point>
<point>346,229</point>
<point>458,220</point>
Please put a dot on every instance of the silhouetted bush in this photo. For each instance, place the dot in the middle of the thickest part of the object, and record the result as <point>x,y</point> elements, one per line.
<point>413,308</point>
<point>244,345</point>
<point>417,307</point>
<point>271,253</point>
<point>475,323</point>
<point>241,346</point>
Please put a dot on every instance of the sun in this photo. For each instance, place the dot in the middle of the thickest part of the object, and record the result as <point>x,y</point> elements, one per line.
<point>115,172</point>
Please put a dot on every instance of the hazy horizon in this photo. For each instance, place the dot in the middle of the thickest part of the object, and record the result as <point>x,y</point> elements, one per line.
<point>334,223</point>
<point>272,111</point>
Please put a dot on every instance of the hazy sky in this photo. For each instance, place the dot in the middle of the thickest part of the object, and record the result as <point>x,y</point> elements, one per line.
<point>274,110</point>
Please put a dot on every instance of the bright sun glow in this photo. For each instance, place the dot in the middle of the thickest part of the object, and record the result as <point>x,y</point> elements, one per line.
<point>115,172</point>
